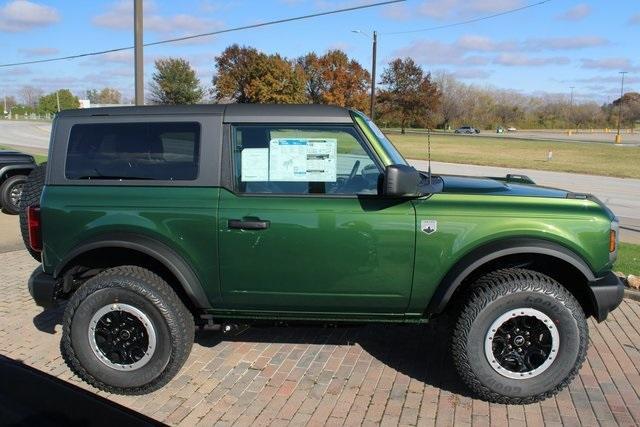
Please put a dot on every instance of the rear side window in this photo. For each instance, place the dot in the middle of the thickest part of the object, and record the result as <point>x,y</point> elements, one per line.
<point>137,151</point>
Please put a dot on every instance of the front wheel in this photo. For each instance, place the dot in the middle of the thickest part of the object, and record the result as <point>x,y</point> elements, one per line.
<point>126,331</point>
<point>521,337</point>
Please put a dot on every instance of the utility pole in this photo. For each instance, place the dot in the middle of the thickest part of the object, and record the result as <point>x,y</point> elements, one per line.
<point>372,110</point>
<point>618,136</point>
<point>58,99</point>
<point>374,52</point>
<point>571,105</point>
<point>138,62</point>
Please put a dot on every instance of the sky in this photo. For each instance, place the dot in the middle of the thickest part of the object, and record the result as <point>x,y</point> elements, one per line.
<point>543,49</point>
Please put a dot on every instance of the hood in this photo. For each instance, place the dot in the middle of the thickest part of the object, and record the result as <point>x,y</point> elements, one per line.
<point>489,186</point>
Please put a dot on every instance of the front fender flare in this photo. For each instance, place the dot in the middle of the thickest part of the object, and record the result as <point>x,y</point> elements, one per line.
<point>494,250</point>
<point>148,246</point>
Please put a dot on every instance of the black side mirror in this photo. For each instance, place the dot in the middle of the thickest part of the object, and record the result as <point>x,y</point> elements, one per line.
<point>400,181</point>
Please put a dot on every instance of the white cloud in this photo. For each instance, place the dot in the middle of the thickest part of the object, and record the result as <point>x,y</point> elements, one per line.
<point>576,13</point>
<point>23,15</point>
<point>521,60</point>
<point>618,63</point>
<point>472,73</point>
<point>484,44</point>
<point>565,43</point>
<point>433,52</point>
<point>38,51</point>
<point>397,12</point>
<point>120,17</point>
<point>451,9</point>
<point>634,20</point>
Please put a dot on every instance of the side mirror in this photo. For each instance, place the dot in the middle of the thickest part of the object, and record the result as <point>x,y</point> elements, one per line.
<point>400,181</point>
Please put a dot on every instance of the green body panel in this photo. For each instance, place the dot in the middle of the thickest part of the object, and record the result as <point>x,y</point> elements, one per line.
<point>319,255</point>
<point>183,218</point>
<point>468,221</point>
<point>322,257</point>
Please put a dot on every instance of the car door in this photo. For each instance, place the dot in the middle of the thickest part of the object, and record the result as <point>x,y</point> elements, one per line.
<point>303,229</point>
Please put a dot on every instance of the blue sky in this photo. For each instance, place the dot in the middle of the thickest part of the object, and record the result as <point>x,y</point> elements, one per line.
<point>546,48</point>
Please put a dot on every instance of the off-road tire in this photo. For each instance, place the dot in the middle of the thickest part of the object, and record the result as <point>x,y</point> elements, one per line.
<point>147,292</point>
<point>496,294</point>
<point>5,194</point>
<point>31,193</point>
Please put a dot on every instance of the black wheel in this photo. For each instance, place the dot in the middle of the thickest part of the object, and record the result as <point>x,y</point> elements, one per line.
<point>520,337</point>
<point>31,193</point>
<point>11,192</point>
<point>126,331</point>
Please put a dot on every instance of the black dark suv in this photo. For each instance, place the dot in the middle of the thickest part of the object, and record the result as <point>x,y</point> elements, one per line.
<point>14,168</point>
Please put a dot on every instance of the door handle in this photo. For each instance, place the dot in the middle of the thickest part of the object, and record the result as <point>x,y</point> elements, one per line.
<point>249,224</point>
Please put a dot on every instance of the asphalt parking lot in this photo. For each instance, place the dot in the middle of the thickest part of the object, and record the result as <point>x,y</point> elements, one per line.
<point>348,375</point>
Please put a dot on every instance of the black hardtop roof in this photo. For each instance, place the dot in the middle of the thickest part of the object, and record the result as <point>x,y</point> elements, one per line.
<point>231,112</point>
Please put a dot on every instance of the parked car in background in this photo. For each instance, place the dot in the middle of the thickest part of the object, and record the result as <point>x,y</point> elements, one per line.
<point>511,129</point>
<point>14,168</point>
<point>467,130</point>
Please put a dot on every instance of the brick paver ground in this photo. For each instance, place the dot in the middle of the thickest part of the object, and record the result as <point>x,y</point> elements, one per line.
<point>335,375</point>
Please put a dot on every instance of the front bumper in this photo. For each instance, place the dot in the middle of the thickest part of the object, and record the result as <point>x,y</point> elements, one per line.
<point>606,294</point>
<point>43,288</point>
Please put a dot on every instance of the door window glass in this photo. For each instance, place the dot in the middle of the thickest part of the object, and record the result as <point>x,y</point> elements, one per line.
<point>302,160</point>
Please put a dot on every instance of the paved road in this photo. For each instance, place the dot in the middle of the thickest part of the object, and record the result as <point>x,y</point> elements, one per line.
<point>30,134</point>
<point>621,195</point>
<point>10,239</point>
<point>310,375</point>
<point>631,139</point>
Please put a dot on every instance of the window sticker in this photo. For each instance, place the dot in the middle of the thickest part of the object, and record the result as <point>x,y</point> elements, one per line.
<point>303,159</point>
<point>255,164</point>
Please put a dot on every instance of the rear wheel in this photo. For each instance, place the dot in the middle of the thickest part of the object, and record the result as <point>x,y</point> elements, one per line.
<point>521,337</point>
<point>125,331</point>
<point>31,193</point>
<point>11,192</point>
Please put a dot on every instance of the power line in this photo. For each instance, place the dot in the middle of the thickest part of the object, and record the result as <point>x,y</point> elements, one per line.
<point>469,21</point>
<point>228,30</point>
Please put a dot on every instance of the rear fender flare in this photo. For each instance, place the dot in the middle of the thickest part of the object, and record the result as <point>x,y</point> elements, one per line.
<point>162,253</point>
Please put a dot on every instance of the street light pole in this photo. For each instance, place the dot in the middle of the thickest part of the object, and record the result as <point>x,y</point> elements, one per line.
<point>58,99</point>
<point>618,136</point>
<point>138,61</point>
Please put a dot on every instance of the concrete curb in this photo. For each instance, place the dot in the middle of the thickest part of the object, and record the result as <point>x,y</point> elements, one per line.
<point>632,294</point>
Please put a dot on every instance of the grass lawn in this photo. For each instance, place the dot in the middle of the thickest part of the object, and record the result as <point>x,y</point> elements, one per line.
<point>587,158</point>
<point>40,158</point>
<point>628,259</point>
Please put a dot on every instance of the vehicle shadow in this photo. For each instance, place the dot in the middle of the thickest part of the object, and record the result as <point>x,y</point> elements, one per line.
<point>49,318</point>
<point>418,351</point>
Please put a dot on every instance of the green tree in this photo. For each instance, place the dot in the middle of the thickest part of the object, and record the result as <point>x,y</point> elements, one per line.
<point>107,95</point>
<point>175,82</point>
<point>48,104</point>
<point>410,97</point>
<point>245,75</point>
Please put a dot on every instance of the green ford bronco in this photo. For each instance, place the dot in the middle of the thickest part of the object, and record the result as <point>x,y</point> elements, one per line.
<point>150,221</point>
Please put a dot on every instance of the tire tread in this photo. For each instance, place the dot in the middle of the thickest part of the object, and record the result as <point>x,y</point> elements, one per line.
<point>490,288</point>
<point>149,285</point>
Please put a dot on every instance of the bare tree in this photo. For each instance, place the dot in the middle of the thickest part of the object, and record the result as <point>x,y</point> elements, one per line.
<point>30,95</point>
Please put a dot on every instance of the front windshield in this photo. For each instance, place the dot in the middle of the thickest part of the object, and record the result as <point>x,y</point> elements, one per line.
<point>385,149</point>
